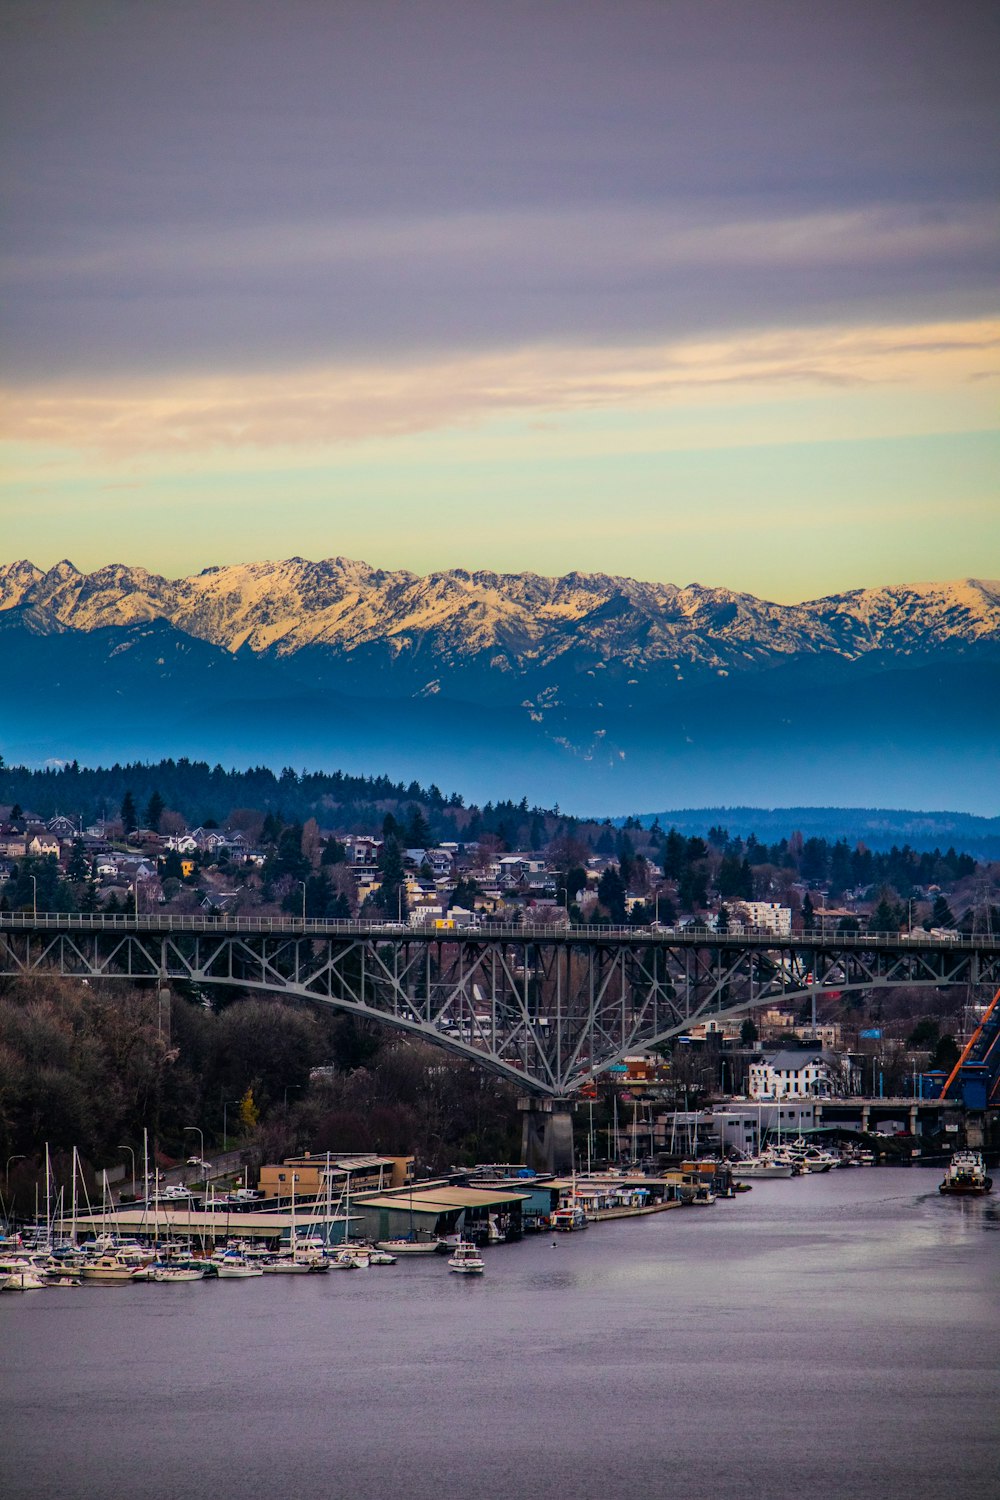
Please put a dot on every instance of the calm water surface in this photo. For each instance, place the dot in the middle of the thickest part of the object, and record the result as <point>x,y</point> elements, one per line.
<point>833,1336</point>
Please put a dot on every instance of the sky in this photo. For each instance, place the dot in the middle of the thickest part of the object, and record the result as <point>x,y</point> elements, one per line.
<point>683,291</point>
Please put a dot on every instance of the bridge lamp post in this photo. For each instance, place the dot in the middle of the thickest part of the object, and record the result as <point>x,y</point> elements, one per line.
<point>303,885</point>
<point>20,1156</point>
<point>225,1133</point>
<point>132,1155</point>
<point>34,897</point>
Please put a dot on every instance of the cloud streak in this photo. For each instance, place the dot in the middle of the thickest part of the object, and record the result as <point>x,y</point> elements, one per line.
<point>356,402</point>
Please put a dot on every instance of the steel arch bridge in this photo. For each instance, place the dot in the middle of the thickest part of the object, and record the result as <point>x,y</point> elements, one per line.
<point>546,1008</point>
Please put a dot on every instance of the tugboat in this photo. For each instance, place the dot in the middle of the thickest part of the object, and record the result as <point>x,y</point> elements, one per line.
<point>966,1173</point>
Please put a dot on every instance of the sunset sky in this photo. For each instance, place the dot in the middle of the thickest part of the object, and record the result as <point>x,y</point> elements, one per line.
<point>675,289</point>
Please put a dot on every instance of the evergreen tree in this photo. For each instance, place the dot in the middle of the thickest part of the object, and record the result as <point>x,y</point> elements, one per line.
<point>730,879</point>
<point>884,918</point>
<point>270,829</point>
<point>288,859</point>
<point>692,888</point>
<point>464,894</point>
<point>77,869</point>
<point>418,830</point>
<point>129,816</point>
<point>392,895</point>
<point>611,894</point>
<point>155,808</point>
<point>334,852</point>
<point>674,855</point>
<point>808,913</point>
<point>941,914</point>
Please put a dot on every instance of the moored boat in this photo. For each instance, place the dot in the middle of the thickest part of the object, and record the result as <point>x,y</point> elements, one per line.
<point>161,1273</point>
<point>19,1275</point>
<point>408,1247</point>
<point>111,1268</point>
<point>763,1165</point>
<point>236,1267</point>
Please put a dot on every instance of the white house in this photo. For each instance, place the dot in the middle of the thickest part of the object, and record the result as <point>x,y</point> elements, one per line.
<point>797,1074</point>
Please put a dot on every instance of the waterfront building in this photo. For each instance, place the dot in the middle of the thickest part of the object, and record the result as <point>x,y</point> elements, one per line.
<point>798,1073</point>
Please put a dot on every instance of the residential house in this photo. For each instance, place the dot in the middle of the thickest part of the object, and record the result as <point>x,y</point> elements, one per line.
<point>800,1073</point>
<point>40,843</point>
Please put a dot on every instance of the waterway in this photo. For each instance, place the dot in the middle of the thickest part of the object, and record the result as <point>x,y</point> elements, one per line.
<point>826,1337</point>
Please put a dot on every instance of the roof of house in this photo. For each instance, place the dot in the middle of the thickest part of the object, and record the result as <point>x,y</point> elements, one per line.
<point>793,1059</point>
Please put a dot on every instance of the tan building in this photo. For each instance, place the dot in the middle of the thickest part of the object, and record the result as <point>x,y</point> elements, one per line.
<point>314,1176</point>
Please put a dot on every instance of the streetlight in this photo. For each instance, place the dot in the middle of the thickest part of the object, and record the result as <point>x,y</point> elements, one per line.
<point>303,885</point>
<point>34,897</point>
<point>19,1156</point>
<point>132,1154</point>
<point>225,1133</point>
<point>201,1139</point>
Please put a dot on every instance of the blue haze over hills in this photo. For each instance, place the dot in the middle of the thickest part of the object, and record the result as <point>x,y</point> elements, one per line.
<point>602,695</point>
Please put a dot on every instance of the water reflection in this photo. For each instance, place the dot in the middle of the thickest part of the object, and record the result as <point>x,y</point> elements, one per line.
<point>830,1337</point>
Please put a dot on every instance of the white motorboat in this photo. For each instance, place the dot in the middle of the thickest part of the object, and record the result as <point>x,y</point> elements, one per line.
<point>285,1265</point>
<point>380,1258</point>
<point>19,1275</point>
<point>466,1259</point>
<point>231,1267</point>
<point>761,1166</point>
<point>112,1268</point>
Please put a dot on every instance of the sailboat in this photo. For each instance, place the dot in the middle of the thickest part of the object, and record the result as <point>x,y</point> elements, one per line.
<point>290,1264</point>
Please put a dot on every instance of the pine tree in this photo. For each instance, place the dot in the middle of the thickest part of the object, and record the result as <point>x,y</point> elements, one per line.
<point>155,808</point>
<point>392,895</point>
<point>130,818</point>
<point>418,830</point>
<point>884,917</point>
<point>77,869</point>
<point>941,913</point>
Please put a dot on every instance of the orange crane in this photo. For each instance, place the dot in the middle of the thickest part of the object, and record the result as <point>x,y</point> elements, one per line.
<point>970,1045</point>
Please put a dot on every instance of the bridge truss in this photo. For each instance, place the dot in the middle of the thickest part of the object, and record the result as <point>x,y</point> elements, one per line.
<point>545,1007</point>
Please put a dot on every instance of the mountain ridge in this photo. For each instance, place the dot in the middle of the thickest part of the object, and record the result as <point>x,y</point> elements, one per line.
<point>524,619</point>
<point>582,690</point>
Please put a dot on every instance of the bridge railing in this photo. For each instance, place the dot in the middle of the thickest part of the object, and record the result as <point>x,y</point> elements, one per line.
<point>689,936</point>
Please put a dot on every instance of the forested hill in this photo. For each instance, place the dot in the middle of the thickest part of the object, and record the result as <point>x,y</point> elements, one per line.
<point>205,794</point>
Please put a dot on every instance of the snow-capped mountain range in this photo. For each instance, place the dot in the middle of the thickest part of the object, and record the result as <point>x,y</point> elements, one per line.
<point>594,676</point>
<point>521,619</point>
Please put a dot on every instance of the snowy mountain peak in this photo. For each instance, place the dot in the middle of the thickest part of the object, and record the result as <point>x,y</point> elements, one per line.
<point>520,621</point>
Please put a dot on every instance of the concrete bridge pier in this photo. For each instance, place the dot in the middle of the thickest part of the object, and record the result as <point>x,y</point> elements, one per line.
<point>547,1134</point>
<point>163,1010</point>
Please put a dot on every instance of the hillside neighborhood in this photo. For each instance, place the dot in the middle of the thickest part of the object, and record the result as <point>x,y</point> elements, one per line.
<point>592,874</point>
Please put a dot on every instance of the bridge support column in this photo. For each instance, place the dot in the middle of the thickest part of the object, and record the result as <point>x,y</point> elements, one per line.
<point>163,1011</point>
<point>547,1134</point>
